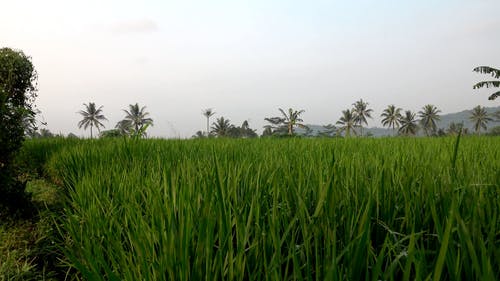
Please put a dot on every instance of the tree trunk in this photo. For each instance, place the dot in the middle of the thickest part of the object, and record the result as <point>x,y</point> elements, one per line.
<point>91,130</point>
<point>208,125</point>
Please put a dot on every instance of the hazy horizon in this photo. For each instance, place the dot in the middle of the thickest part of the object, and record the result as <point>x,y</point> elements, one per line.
<point>246,59</point>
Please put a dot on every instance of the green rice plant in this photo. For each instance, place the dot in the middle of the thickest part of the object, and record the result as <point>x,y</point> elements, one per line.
<point>281,209</point>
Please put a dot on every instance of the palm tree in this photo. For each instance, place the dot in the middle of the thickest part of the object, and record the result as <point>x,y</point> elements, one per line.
<point>198,135</point>
<point>135,119</point>
<point>497,115</point>
<point>361,112</point>
<point>268,131</point>
<point>328,131</point>
<point>289,120</point>
<point>429,116</point>
<point>348,122</point>
<point>208,113</point>
<point>92,116</point>
<point>480,118</point>
<point>221,127</point>
<point>391,116</point>
<point>494,84</point>
<point>124,127</point>
<point>408,124</point>
<point>245,131</point>
<point>455,128</point>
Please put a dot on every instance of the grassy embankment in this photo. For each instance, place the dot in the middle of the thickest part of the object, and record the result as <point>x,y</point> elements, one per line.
<point>308,209</point>
<point>30,245</point>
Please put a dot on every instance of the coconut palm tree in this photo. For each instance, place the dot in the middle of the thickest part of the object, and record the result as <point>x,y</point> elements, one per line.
<point>208,113</point>
<point>92,116</point>
<point>124,127</point>
<point>361,112</point>
<point>391,116</point>
<point>408,123</point>
<point>289,120</point>
<point>221,127</point>
<point>135,119</point>
<point>428,117</point>
<point>493,84</point>
<point>348,122</point>
<point>455,128</point>
<point>480,118</point>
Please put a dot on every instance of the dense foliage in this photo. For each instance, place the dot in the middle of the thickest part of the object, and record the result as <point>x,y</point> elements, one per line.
<point>280,209</point>
<point>17,93</point>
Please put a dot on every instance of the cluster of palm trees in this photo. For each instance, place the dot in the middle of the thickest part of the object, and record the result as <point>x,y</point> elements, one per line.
<point>135,123</point>
<point>222,127</point>
<point>354,118</point>
<point>406,124</point>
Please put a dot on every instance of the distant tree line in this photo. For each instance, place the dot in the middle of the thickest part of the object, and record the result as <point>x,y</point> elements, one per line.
<point>351,122</point>
<point>408,123</point>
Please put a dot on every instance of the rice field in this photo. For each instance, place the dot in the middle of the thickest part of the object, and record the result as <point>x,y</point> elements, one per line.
<point>279,209</point>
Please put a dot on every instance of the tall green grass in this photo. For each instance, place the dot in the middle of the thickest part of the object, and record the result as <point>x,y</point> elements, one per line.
<point>288,209</point>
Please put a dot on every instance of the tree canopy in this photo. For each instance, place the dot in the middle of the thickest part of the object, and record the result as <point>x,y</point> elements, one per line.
<point>480,118</point>
<point>17,94</point>
<point>408,123</point>
<point>209,112</point>
<point>136,121</point>
<point>288,121</point>
<point>361,112</point>
<point>92,117</point>
<point>429,115</point>
<point>391,116</point>
<point>348,122</point>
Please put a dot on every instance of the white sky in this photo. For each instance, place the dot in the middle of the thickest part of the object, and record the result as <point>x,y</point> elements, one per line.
<point>247,58</point>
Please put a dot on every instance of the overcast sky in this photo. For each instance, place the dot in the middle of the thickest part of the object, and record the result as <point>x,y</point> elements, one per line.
<point>247,58</point>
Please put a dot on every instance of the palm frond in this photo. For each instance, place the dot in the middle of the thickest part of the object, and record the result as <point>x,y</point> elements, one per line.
<point>284,114</point>
<point>487,84</point>
<point>494,95</point>
<point>303,126</point>
<point>275,120</point>
<point>488,70</point>
<point>82,123</point>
